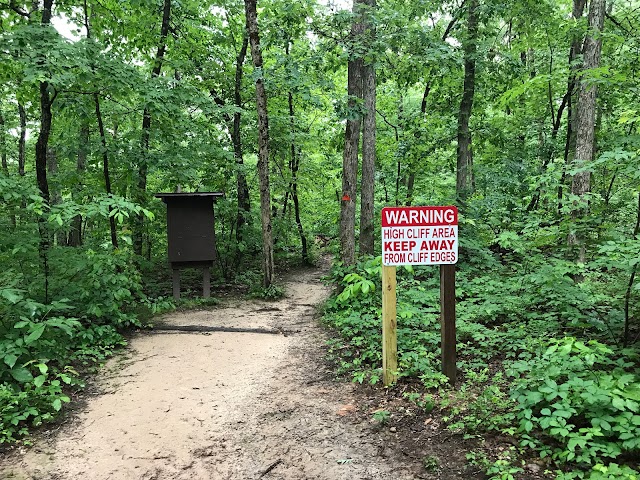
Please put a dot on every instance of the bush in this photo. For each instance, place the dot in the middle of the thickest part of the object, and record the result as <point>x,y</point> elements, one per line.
<point>577,402</point>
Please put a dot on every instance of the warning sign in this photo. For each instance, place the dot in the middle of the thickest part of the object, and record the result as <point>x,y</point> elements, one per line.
<point>419,235</point>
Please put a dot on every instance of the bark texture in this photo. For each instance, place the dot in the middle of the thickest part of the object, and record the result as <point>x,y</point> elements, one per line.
<point>263,144</point>
<point>367,183</point>
<point>351,143</point>
<point>244,205</point>
<point>574,66</point>
<point>586,118</point>
<point>464,172</point>
<point>3,144</point>
<point>42,145</point>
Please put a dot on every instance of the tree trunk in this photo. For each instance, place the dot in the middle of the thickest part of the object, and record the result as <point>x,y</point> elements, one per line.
<point>464,173</point>
<point>3,158</point>
<point>295,165</point>
<point>351,143</point>
<point>586,120</point>
<point>3,145</point>
<point>105,170</point>
<point>41,160</point>
<point>367,183</point>
<point>244,205</point>
<point>75,236</point>
<point>143,166</point>
<point>103,145</point>
<point>423,108</point>
<point>263,144</point>
<point>22,141</point>
<point>570,140</point>
<point>55,197</point>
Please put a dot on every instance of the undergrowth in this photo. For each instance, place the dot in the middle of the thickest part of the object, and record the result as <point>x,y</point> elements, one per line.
<point>539,354</point>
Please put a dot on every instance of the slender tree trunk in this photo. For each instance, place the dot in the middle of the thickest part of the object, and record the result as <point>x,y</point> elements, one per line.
<point>574,66</point>
<point>263,144</point>
<point>367,183</point>
<point>352,140</point>
<point>400,158</point>
<point>75,236</point>
<point>3,157</point>
<point>103,144</point>
<point>22,140</point>
<point>244,205</point>
<point>464,173</point>
<point>41,160</point>
<point>586,120</point>
<point>3,145</point>
<point>295,165</point>
<point>55,197</point>
<point>143,166</point>
<point>423,107</point>
<point>105,170</point>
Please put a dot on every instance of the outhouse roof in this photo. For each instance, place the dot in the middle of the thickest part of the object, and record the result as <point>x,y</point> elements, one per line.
<point>164,196</point>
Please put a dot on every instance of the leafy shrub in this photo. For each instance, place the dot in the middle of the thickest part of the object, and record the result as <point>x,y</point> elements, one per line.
<point>104,284</point>
<point>580,396</point>
<point>36,354</point>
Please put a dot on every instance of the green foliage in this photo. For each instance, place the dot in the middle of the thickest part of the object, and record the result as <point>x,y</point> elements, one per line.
<point>582,397</point>
<point>272,292</point>
<point>573,400</point>
<point>39,347</point>
<point>381,416</point>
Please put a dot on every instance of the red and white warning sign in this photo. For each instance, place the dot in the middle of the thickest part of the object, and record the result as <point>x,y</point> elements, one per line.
<point>419,235</point>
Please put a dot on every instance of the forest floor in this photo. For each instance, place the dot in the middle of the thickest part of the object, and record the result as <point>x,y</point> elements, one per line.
<point>237,405</point>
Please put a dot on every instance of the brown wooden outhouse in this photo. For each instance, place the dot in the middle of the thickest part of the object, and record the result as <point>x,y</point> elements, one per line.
<point>191,235</point>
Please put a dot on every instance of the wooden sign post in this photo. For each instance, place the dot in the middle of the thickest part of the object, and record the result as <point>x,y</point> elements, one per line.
<point>389,336</point>
<point>448,321</point>
<point>419,236</point>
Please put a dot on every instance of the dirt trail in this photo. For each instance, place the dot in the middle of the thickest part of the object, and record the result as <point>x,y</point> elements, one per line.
<point>219,405</point>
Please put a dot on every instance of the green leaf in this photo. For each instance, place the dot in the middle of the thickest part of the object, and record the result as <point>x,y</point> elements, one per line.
<point>618,403</point>
<point>21,374</point>
<point>57,404</point>
<point>10,359</point>
<point>35,334</point>
<point>39,380</point>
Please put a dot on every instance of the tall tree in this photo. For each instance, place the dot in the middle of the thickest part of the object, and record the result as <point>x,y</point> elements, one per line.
<point>574,66</point>
<point>294,165</point>
<point>263,144</point>
<point>586,118</point>
<point>103,141</point>
<point>367,183</point>
<point>22,139</point>
<point>352,139</point>
<point>143,166</point>
<point>75,235</point>
<point>244,205</point>
<point>3,143</point>
<point>464,172</point>
<point>42,144</point>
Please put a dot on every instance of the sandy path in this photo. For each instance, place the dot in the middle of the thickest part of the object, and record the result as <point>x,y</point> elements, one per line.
<point>219,406</point>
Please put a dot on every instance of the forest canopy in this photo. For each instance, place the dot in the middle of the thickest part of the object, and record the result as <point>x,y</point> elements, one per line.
<point>311,117</point>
